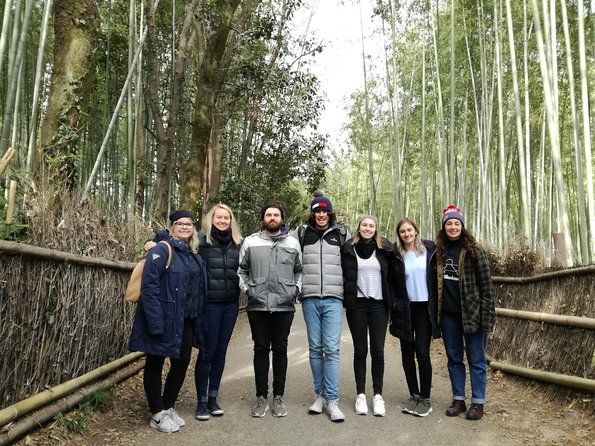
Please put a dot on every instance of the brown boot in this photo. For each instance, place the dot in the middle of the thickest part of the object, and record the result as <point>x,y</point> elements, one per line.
<point>475,412</point>
<point>457,407</point>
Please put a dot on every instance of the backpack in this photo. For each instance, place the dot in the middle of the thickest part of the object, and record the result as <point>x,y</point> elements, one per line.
<point>132,293</point>
<point>302,232</point>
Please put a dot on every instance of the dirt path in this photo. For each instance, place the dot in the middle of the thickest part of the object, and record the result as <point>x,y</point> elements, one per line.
<point>514,414</point>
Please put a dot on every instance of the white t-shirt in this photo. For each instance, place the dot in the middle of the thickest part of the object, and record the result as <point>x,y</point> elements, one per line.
<point>369,277</point>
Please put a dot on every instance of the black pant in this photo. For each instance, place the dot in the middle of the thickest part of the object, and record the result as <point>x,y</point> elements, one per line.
<point>175,377</point>
<point>421,332</point>
<point>368,315</point>
<point>270,332</point>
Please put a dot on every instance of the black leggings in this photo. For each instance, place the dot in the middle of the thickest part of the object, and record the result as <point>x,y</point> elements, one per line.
<point>421,332</point>
<point>175,377</point>
<point>368,316</point>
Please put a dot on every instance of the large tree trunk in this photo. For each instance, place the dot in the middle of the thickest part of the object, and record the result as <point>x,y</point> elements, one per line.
<point>76,30</point>
<point>165,130</point>
<point>209,80</point>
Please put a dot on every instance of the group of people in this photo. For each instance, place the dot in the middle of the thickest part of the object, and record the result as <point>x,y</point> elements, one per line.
<point>417,289</point>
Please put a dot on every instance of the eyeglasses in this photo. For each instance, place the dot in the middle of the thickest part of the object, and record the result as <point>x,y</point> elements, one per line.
<point>183,224</point>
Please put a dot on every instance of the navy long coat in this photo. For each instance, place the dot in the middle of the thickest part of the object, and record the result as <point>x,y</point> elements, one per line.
<point>159,318</point>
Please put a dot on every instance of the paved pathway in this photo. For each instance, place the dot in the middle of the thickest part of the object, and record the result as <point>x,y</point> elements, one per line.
<point>301,428</point>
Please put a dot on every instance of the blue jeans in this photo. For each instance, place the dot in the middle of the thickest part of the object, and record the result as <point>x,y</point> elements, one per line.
<point>221,319</point>
<point>456,342</point>
<point>324,318</point>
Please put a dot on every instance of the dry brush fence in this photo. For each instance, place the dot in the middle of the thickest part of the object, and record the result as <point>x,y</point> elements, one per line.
<point>61,315</point>
<point>544,346</point>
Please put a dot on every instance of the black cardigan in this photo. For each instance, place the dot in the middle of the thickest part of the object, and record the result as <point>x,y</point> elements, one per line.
<point>400,324</point>
<point>386,258</point>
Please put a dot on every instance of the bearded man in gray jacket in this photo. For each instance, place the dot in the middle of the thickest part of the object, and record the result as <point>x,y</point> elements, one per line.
<point>270,271</point>
<point>322,301</point>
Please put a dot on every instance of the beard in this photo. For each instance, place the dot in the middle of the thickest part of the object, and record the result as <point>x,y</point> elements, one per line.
<point>273,226</point>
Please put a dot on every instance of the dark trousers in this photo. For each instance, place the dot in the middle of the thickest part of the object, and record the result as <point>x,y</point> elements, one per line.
<point>221,319</point>
<point>368,315</point>
<point>421,332</point>
<point>270,332</point>
<point>175,378</point>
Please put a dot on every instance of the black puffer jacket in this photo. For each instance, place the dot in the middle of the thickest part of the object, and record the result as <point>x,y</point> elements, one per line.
<point>386,257</point>
<point>222,263</point>
<point>400,323</point>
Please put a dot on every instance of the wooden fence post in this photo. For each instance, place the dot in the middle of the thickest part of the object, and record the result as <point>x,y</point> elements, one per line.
<point>11,197</point>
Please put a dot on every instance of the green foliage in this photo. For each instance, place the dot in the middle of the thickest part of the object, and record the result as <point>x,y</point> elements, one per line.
<point>99,401</point>
<point>74,421</point>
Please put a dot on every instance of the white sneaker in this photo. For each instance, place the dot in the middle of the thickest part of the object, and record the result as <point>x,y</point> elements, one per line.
<point>361,406</point>
<point>318,405</point>
<point>334,412</point>
<point>175,416</point>
<point>163,423</point>
<point>378,408</point>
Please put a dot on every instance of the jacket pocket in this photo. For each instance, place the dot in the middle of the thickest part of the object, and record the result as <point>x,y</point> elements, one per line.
<point>256,287</point>
<point>285,262</point>
<point>288,291</point>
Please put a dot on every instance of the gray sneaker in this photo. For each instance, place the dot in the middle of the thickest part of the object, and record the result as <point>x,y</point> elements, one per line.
<point>318,405</point>
<point>279,409</point>
<point>423,408</point>
<point>261,407</point>
<point>175,417</point>
<point>410,404</point>
<point>335,414</point>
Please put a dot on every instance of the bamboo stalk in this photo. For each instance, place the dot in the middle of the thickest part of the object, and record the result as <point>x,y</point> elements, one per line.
<point>19,409</point>
<point>6,158</point>
<point>558,319</point>
<point>539,375</point>
<point>546,276</point>
<point>12,192</point>
<point>20,428</point>
<point>51,254</point>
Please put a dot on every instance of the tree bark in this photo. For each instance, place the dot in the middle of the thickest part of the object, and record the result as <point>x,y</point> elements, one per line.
<point>76,30</point>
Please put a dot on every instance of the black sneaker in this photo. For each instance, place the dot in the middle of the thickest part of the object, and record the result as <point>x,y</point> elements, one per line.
<point>202,412</point>
<point>214,408</point>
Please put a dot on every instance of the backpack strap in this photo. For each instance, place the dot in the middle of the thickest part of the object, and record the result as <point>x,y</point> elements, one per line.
<point>342,235</point>
<point>169,253</point>
<point>301,234</point>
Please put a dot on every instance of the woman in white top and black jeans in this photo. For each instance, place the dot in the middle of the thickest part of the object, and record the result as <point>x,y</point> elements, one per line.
<point>413,314</point>
<point>366,261</point>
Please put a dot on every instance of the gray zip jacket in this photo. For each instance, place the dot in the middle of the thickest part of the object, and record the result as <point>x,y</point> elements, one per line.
<point>270,272</point>
<point>322,274</point>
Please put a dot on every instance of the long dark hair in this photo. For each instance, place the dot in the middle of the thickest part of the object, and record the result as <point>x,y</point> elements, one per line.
<point>469,243</point>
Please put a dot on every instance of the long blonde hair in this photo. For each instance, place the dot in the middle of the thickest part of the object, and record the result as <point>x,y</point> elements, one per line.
<point>417,244</point>
<point>207,223</point>
<point>357,236</point>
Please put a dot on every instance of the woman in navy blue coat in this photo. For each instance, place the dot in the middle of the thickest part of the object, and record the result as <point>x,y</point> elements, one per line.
<point>170,317</point>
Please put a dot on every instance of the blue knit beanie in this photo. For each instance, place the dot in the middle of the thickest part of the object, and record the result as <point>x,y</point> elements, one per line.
<point>320,203</point>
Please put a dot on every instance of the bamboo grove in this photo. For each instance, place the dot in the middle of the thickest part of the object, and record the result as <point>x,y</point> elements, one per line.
<point>142,106</point>
<point>483,103</point>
